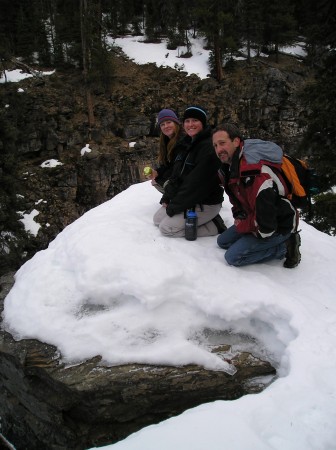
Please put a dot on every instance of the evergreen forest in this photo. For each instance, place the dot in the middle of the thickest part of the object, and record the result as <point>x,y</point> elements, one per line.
<point>72,34</point>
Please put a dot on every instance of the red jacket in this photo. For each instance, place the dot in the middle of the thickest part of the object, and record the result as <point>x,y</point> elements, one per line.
<point>258,195</point>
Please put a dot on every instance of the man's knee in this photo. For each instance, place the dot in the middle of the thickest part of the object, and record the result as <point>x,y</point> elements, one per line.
<point>232,258</point>
<point>222,242</point>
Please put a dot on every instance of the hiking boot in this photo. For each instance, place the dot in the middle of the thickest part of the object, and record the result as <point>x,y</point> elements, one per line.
<point>293,255</point>
<point>218,221</point>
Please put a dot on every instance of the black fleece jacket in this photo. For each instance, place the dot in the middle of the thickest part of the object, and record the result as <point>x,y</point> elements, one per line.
<point>194,180</point>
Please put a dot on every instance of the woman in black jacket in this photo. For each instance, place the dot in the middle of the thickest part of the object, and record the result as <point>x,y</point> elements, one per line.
<point>194,182</point>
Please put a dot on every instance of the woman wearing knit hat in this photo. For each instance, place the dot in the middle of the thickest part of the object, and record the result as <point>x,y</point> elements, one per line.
<point>171,132</point>
<point>194,182</point>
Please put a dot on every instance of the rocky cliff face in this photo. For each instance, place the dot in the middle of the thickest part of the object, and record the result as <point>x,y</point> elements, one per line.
<point>51,123</point>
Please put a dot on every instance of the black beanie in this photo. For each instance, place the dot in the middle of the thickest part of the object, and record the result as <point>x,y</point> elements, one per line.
<point>195,112</point>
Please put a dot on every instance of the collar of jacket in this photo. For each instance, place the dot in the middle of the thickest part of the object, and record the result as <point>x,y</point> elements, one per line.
<point>234,167</point>
<point>203,134</point>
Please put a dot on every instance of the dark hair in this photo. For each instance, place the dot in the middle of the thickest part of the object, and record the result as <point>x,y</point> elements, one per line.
<point>231,129</point>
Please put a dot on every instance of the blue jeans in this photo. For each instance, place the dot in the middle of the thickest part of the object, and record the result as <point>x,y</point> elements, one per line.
<point>244,249</point>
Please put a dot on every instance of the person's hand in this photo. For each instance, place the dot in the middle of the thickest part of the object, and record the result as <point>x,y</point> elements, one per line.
<point>152,175</point>
<point>169,211</point>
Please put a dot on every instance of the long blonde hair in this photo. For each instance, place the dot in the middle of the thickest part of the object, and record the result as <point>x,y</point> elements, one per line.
<point>167,145</point>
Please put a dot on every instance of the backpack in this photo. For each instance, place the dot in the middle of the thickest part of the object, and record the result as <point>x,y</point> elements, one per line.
<point>301,180</point>
<point>297,175</point>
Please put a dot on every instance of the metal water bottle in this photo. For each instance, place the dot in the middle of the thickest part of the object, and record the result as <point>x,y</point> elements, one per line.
<point>191,225</point>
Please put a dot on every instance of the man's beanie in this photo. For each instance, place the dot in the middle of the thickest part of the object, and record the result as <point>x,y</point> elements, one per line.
<point>195,112</point>
<point>167,114</point>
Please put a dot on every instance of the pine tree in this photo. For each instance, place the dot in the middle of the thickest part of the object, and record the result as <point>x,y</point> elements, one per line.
<point>7,30</point>
<point>280,27</point>
<point>152,20</point>
<point>119,14</point>
<point>251,24</point>
<point>216,19</point>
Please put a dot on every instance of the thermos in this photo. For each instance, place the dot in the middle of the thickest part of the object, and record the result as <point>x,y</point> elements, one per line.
<point>191,225</point>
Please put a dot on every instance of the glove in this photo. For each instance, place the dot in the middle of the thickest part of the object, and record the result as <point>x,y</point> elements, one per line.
<point>165,200</point>
<point>170,211</point>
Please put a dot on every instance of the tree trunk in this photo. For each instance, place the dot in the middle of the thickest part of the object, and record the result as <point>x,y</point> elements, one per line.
<point>276,52</point>
<point>248,51</point>
<point>218,60</point>
<point>91,116</point>
<point>85,30</point>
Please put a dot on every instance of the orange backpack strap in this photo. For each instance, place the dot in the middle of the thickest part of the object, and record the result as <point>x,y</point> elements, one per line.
<point>291,175</point>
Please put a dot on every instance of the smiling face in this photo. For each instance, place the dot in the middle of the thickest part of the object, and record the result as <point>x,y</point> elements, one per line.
<point>224,146</point>
<point>192,126</point>
<point>168,128</point>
